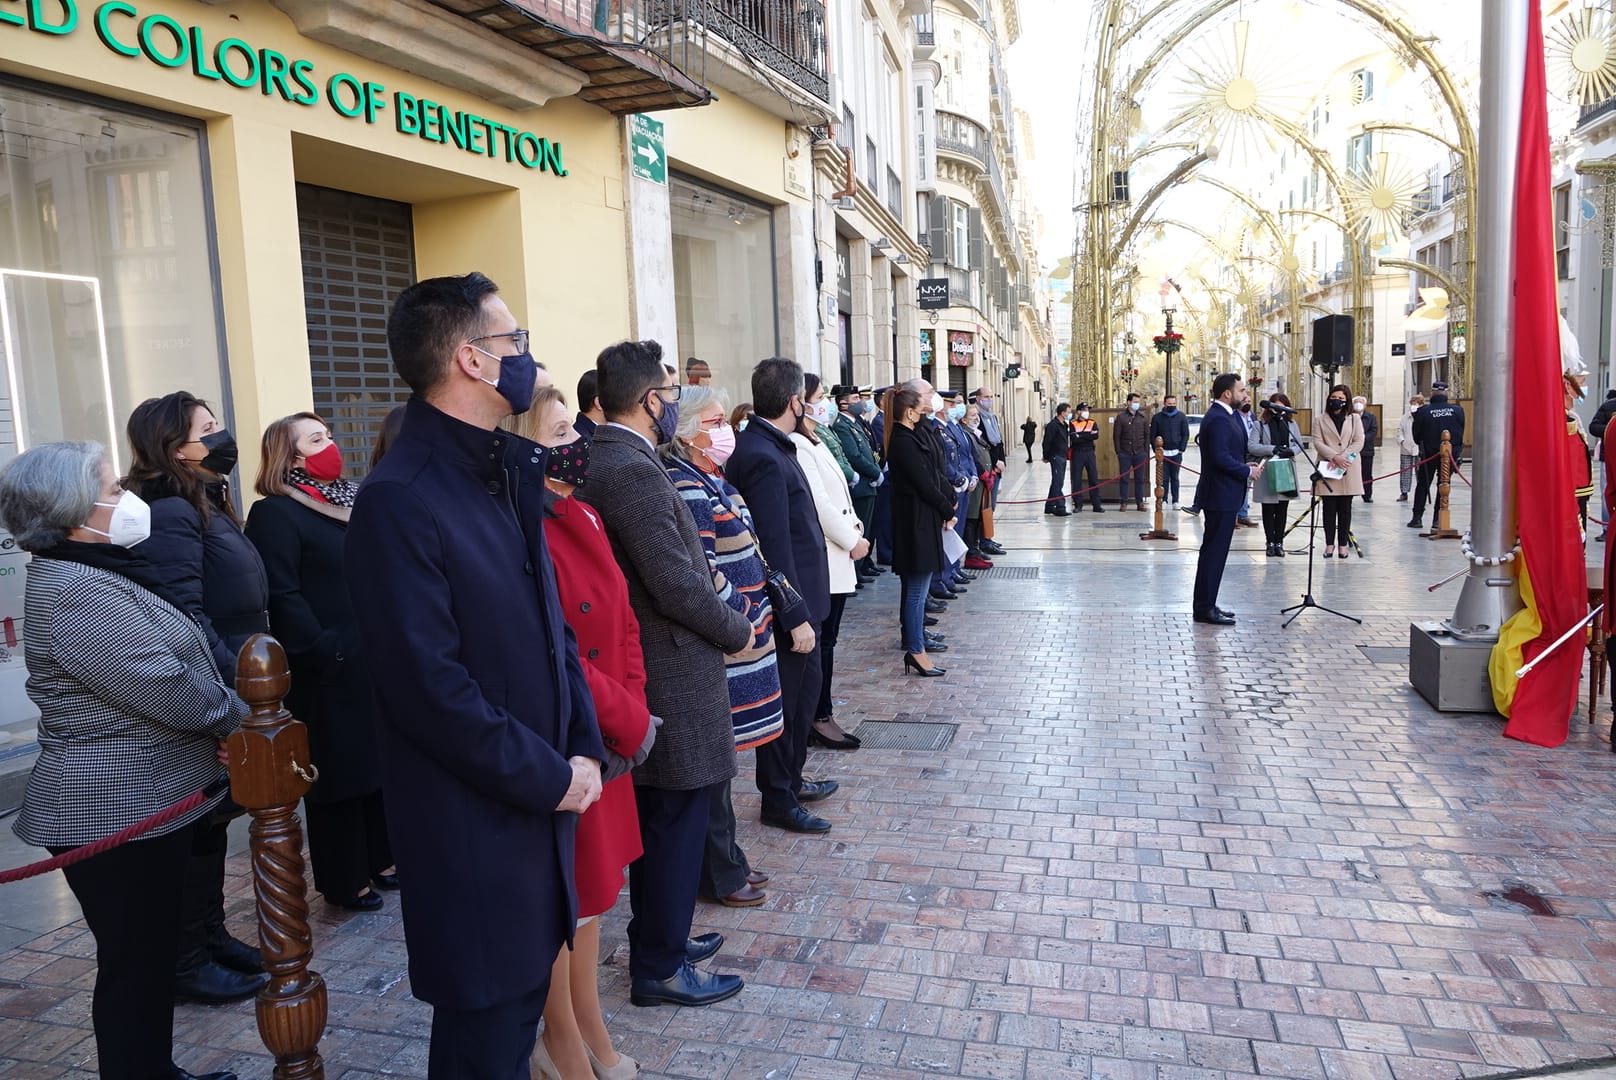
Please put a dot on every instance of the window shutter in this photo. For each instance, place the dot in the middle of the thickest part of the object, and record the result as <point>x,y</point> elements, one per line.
<point>941,234</point>
<point>975,229</point>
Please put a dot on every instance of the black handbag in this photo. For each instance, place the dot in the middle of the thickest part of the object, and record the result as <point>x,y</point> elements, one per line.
<point>782,594</point>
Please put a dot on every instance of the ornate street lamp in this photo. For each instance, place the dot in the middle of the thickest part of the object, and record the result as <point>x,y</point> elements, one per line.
<point>1167,343</point>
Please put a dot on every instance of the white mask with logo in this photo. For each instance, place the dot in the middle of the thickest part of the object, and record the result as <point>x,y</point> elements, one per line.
<point>131,521</point>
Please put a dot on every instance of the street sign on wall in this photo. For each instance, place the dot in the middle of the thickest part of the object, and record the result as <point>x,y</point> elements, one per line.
<point>647,158</point>
<point>933,293</point>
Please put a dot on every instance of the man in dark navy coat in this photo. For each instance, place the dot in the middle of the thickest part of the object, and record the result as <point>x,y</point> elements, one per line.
<point>490,749</point>
<point>764,470</point>
<point>1224,475</point>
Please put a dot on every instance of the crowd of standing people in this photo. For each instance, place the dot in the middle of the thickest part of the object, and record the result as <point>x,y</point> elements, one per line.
<point>586,618</point>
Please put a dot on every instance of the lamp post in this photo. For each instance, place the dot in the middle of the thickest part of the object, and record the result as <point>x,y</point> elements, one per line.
<point>1167,343</point>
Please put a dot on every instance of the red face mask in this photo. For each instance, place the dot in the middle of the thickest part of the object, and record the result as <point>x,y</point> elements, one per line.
<point>326,465</point>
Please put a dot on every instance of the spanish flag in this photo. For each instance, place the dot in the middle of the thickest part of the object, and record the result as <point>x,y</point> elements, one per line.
<point>1553,581</point>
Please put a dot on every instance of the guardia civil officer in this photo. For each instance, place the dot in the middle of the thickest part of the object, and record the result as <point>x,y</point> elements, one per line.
<point>1430,421</point>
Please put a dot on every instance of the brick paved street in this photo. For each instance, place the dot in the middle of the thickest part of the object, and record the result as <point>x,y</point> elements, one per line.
<point>1152,849</point>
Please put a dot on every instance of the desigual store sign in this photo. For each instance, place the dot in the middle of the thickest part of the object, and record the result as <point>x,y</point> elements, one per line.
<point>127,31</point>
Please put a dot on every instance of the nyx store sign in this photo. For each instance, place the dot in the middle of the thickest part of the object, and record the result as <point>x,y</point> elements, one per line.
<point>933,293</point>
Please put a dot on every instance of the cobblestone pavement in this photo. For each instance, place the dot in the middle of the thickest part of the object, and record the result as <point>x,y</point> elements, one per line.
<point>1152,849</point>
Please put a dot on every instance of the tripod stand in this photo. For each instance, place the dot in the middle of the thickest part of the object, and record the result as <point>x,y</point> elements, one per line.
<point>1295,610</point>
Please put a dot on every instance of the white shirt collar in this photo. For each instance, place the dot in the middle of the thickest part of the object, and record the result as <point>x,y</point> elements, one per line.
<point>637,434</point>
<point>1226,406</point>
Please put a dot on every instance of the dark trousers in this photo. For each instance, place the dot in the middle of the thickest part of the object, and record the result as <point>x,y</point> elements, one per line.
<point>130,897</point>
<point>912,611</point>
<point>347,844</point>
<point>1273,521</point>
<point>662,883</point>
<point>827,655</point>
<point>1214,553</point>
<point>779,763</point>
<point>1057,480</point>
<point>487,1044</point>
<point>1029,451</point>
<point>202,900</point>
<point>1170,470</point>
<point>883,524</point>
<point>864,507</point>
<point>1424,477</point>
<point>1133,467</point>
<point>724,866</point>
<point>1366,463</point>
<point>1337,518</point>
<point>1085,474</point>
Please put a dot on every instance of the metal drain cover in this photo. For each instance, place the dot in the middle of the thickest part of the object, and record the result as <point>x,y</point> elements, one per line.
<point>891,735</point>
<point>1385,654</point>
<point>1009,573</point>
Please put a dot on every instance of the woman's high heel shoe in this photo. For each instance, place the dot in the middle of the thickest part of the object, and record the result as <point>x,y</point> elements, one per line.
<point>540,1066</point>
<point>911,664</point>
<point>625,1069</point>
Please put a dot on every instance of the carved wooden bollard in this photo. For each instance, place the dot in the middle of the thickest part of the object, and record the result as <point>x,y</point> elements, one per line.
<point>1442,525</point>
<point>1160,531</point>
<point>269,772</point>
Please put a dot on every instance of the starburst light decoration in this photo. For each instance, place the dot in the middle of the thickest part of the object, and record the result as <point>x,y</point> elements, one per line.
<point>1581,52</point>
<point>1380,200</point>
<point>1231,90</point>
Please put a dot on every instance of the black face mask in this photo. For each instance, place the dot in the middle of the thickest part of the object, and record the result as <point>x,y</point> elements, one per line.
<point>1245,407</point>
<point>221,448</point>
<point>1336,405</point>
<point>568,464</point>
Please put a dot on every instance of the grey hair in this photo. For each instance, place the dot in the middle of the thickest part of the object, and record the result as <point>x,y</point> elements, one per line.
<point>692,400</point>
<point>47,492</point>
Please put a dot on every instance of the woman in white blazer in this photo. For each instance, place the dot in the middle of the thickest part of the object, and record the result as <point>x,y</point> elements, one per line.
<point>844,546</point>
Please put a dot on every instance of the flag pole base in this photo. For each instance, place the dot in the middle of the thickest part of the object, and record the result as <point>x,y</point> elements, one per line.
<point>1441,534</point>
<point>1448,672</point>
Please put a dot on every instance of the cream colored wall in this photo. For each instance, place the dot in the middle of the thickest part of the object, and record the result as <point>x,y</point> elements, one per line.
<point>557,245</point>
<point>732,143</point>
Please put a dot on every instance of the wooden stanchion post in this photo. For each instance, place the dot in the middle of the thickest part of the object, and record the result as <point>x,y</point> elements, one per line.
<point>1442,525</point>
<point>269,772</point>
<point>1159,532</point>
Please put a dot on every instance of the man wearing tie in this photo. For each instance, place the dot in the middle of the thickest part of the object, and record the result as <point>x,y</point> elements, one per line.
<point>1224,476</point>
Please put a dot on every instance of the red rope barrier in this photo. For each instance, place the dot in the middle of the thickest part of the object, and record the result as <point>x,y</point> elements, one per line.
<point>122,836</point>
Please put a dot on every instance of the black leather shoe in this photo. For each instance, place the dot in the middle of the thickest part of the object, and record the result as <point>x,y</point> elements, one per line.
<point>215,984</point>
<point>796,820</point>
<point>965,576</point>
<point>814,790</point>
<point>935,646</point>
<point>935,606</point>
<point>687,987</point>
<point>1416,522</point>
<point>371,901</point>
<point>1099,509</point>
<point>702,946</point>
<point>384,881</point>
<point>960,589</point>
<point>237,956</point>
<point>1063,512</point>
<point>1225,612</point>
<point>931,620</point>
<point>181,1074</point>
<point>1215,619</point>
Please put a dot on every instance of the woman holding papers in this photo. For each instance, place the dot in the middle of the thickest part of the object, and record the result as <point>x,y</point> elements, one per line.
<point>1338,439</point>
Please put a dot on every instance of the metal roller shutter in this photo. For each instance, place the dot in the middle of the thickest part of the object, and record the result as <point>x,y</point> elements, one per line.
<point>358,254</point>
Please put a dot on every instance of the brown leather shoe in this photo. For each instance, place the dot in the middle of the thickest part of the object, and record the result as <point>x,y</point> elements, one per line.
<point>758,878</point>
<point>746,896</point>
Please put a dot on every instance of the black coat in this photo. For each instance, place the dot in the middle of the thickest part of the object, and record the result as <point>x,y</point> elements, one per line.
<point>922,500</point>
<point>481,700</point>
<point>312,617</point>
<point>764,470</point>
<point>212,568</point>
<point>1057,439</point>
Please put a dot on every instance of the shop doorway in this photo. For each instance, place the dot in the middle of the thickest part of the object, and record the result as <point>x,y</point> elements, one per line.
<point>358,254</point>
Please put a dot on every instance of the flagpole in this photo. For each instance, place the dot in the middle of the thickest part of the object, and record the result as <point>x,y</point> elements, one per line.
<point>1483,607</point>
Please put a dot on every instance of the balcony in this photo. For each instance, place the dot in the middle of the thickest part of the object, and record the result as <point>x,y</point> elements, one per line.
<point>1597,110</point>
<point>787,36</point>
<point>963,137</point>
<point>925,33</point>
<point>612,46</point>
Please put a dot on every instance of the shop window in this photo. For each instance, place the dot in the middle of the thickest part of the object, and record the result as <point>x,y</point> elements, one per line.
<point>723,282</point>
<point>107,288</point>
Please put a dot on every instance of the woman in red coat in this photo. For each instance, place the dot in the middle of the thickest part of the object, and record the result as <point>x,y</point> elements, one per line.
<point>594,600</point>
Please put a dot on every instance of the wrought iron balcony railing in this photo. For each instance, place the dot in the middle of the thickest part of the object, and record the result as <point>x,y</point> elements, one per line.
<point>962,135</point>
<point>788,36</point>
<point>1597,109</point>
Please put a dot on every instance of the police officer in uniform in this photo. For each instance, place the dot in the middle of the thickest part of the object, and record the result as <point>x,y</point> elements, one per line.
<point>1430,421</point>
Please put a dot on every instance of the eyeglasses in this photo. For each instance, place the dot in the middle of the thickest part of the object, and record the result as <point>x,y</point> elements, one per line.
<point>714,423</point>
<point>519,339</point>
<point>666,393</point>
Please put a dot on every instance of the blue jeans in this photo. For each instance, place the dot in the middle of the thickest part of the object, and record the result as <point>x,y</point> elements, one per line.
<point>912,611</point>
<point>1170,479</point>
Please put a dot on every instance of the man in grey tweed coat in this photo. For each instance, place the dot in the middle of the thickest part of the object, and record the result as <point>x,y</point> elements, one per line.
<point>685,630</point>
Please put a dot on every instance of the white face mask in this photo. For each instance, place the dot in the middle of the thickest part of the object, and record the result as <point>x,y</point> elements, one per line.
<point>819,411</point>
<point>1357,406</point>
<point>131,521</point>
<point>1133,406</point>
<point>937,402</point>
<point>1084,414</point>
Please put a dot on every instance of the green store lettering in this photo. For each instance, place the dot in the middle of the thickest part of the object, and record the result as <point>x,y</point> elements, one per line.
<point>163,40</point>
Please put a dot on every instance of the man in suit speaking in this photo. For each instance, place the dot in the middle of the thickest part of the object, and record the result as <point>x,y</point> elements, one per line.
<point>1224,475</point>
